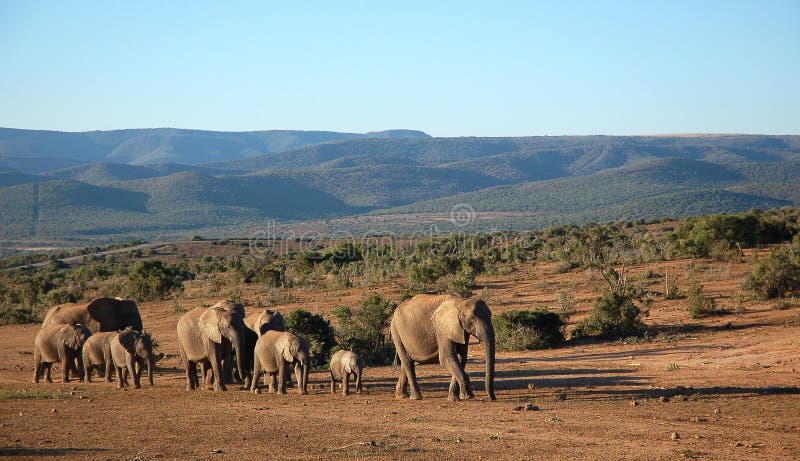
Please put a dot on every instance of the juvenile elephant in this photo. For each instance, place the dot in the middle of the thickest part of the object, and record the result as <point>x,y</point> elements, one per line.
<point>206,337</point>
<point>274,352</point>
<point>97,354</point>
<point>427,328</point>
<point>101,314</point>
<point>132,352</point>
<point>59,343</point>
<point>344,364</point>
<point>258,323</point>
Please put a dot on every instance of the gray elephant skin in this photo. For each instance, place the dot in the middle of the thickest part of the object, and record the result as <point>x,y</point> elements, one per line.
<point>132,352</point>
<point>343,364</point>
<point>274,352</point>
<point>266,320</point>
<point>59,343</point>
<point>206,337</point>
<point>97,355</point>
<point>427,328</point>
<point>101,314</point>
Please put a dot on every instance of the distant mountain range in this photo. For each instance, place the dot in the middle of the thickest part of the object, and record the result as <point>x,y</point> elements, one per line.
<point>134,183</point>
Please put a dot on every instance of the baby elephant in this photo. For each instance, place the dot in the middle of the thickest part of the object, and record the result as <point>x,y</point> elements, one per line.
<point>132,352</point>
<point>344,364</point>
<point>59,343</point>
<point>97,354</point>
<point>274,352</point>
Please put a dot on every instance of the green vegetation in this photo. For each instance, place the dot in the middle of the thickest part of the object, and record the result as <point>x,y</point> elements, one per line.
<point>150,280</point>
<point>779,274</point>
<point>27,394</point>
<point>615,316</point>
<point>364,330</point>
<point>702,236</point>
<point>700,305</point>
<point>316,331</point>
<point>524,329</point>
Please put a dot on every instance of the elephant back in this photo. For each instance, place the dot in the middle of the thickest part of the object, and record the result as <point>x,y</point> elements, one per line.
<point>101,314</point>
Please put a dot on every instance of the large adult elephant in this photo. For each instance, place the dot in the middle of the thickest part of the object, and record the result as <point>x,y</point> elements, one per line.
<point>206,337</point>
<point>427,328</point>
<point>101,314</point>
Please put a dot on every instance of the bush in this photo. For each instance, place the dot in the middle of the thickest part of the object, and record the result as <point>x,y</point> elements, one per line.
<point>422,276</point>
<point>363,330</point>
<point>152,279</point>
<point>778,274</point>
<point>524,329</point>
<point>462,282</point>
<point>700,236</point>
<point>702,306</point>
<point>614,316</point>
<point>315,330</point>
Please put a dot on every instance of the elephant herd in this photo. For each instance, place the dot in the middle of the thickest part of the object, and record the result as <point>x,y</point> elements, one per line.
<point>224,345</point>
<point>104,334</point>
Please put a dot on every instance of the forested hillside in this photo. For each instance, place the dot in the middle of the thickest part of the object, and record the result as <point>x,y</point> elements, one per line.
<point>131,187</point>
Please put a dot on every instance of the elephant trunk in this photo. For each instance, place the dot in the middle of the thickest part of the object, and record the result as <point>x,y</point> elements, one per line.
<point>238,347</point>
<point>488,340</point>
<point>151,364</point>
<point>358,380</point>
<point>304,384</point>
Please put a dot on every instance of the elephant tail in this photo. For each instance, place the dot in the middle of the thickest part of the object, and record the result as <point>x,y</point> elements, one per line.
<point>395,362</point>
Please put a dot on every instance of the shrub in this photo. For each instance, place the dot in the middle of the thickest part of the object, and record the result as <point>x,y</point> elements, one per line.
<point>702,306</point>
<point>462,282</point>
<point>614,316</point>
<point>363,330</point>
<point>778,274</point>
<point>525,329</point>
<point>315,330</point>
<point>422,275</point>
<point>152,279</point>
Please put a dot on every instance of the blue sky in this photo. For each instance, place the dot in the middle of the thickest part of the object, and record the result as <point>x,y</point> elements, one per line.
<point>447,68</point>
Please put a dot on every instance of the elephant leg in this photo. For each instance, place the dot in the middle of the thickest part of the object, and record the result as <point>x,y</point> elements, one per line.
<point>273,383</point>
<point>191,369</point>
<point>216,368</point>
<point>131,364</point>
<point>87,367</point>
<point>346,384</point>
<point>66,365</point>
<point>453,364</point>
<point>282,372</point>
<point>109,367</point>
<point>412,381</point>
<point>333,384</point>
<point>405,360</point>
<point>81,370</point>
<point>299,375</point>
<point>37,365</point>
<point>256,373</point>
<point>120,378</point>
<point>47,370</point>
<point>358,382</point>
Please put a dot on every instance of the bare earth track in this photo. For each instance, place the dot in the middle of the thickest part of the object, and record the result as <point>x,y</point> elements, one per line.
<point>725,387</point>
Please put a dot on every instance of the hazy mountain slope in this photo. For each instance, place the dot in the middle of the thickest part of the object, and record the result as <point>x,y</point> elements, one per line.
<point>586,193</point>
<point>106,173</point>
<point>385,185</point>
<point>512,159</point>
<point>34,151</point>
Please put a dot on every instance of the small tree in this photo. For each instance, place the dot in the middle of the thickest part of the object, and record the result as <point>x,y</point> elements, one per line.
<point>778,274</point>
<point>523,329</point>
<point>614,315</point>
<point>364,330</point>
<point>316,330</point>
<point>152,279</point>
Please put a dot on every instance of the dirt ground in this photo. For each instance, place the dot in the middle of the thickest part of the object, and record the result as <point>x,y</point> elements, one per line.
<point>725,387</point>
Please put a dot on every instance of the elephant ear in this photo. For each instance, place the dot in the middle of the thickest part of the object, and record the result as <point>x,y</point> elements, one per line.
<point>447,323</point>
<point>208,323</point>
<point>286,347</point>
<point>127,338</point>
